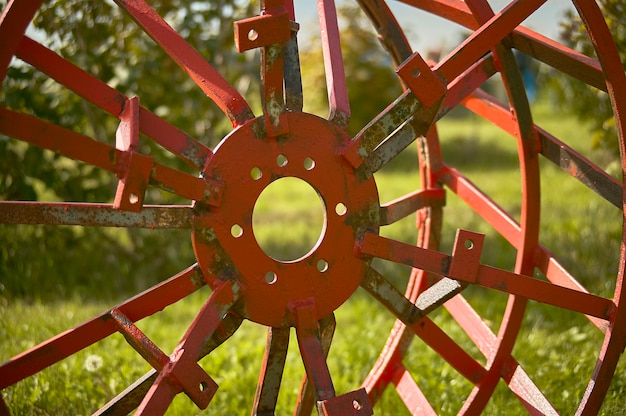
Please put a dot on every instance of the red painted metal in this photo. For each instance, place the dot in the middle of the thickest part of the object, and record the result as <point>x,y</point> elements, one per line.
<point>286,142</point>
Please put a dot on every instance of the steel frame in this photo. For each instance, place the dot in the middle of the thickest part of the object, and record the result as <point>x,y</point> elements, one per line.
<point>306,292</point>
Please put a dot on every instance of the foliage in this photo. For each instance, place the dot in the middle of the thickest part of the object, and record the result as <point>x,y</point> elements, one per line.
<point>586,102</point>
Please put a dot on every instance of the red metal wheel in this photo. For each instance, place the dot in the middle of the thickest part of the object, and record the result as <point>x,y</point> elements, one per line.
<point>286,142</point>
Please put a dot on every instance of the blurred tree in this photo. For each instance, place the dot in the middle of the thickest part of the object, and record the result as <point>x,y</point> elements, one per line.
<point>371,80</point>
<point>587,102</point>
<point>101,39</point>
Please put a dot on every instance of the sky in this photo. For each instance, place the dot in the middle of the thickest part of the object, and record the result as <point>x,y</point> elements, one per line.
<point>429,32</point>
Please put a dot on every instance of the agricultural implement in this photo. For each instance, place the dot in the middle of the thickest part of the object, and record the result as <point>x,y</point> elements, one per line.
<point>283,141</point>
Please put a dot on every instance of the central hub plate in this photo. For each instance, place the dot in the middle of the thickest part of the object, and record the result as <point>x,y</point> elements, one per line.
<point>246,162</point>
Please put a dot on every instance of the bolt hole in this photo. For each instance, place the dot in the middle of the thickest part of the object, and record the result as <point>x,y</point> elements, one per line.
<point>256,173</point>
<point>133,199</point>
<point>236,231</point>
<point>253,35</point>
<point>270,278</point>
<point>415,73</point>
<point>469,244</point>
<point>322,266</point>
<point>357,406</point>
<point>309,163</point>
<point>341,209</point>
<point>203,385</point>
<point>281,160</point>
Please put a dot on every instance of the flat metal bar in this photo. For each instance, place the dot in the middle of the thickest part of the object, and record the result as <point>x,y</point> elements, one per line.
<point>383,291</point>
<point>400,208</point>
<point>466,83</point>
<point>293,75</point>
<point>306,396</point>
<point>390,34</point>
<point>486,37</point>
<point>545,292</point>
<point>108,99</point>
<point>60,140</point>
<point>271,373</point>
<point>410,393</point>
<point>183,373</point>
<point>416,126</point>
<point>378,131</point>
<point>489,210</point>
<point>199,70</point>
<point>15,18</point>
<point>137,339</point>
<point>128,400</point>
<point>181,183</point>
<point>333,63</point>
<point>554,271</point>
<point>527,391</point>
<point>449,350</point>
<point>402,253</point>
<point>453,10</point>
<point>581,168</point>
<point>492,110</point>
<point>490,277</point>
<point>556,151</point>
<point>312,352</point>
<point>100,215</point>
<point>514,375</point>
<point>390,297</point>
<point>558,56</point>
<point>385,123</point>
<point>71,341</point>
<point>79,147</point>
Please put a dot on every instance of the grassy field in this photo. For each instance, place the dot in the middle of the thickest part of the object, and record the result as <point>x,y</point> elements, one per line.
<point>557,348</point>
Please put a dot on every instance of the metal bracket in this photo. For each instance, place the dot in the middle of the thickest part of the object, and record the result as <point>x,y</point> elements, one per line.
<point>260,31</point>
<point>135,168</point>
<point>423,82</point>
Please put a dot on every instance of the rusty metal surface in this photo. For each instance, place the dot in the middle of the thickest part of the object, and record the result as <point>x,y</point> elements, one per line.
<point>286,142</point>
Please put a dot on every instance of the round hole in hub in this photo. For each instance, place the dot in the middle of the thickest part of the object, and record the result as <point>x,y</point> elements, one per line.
<point>256,173</point>
<point>309,163</point>
<point>288,219</point>
<point>322,265</point>
<point>341,209</point>
<point>270,278</point>
<point>236,231</point>
<point>281,160</point>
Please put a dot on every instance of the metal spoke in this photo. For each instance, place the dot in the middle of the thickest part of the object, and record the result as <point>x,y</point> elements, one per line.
<point>408,204</point>
<point>100,215</point>
<point>199,70</point>
<point>463,265</point>
<point>333,63</point>
<point>486,38</point>
<point>131,397</point>
<point>79,147</point>
<point>271,371</point>
<point>16,16</point>
<point>306,396</point>
<point>113,102</point>
<point>100,327</point>
<point>559,57</point>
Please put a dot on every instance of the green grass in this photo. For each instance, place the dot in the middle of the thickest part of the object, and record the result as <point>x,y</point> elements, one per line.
<point>557,348</point>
